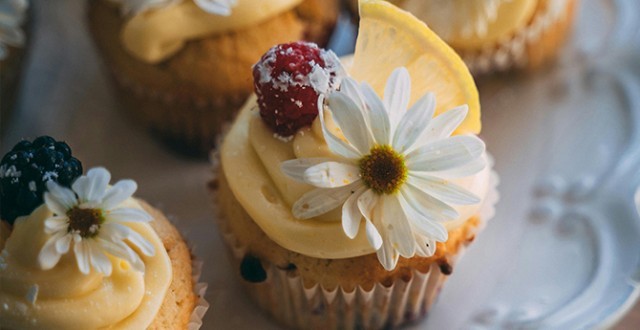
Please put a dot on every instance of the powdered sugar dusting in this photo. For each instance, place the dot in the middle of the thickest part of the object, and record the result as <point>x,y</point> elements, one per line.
<point>10,172</point>
<point>320,78</point>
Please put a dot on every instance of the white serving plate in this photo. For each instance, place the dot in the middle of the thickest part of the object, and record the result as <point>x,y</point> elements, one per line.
<point>563,250</point>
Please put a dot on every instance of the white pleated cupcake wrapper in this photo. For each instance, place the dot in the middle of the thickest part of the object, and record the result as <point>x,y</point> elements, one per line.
<point>286,298</point>
<point>512,52</point>
<point>200,289</point>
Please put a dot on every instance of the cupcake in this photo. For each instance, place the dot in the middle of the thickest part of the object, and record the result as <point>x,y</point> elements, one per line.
<point>78,252</point>
<point>497,35</point>
<point>185,79</point>
<point>13,40</point>
<point>346,190</point>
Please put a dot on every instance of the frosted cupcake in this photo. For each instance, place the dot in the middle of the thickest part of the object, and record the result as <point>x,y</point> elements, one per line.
<point>13,40</point>
<point>497,35</point>
<point>346,198</point>
<point>185,79</point>
<point>78,252</point>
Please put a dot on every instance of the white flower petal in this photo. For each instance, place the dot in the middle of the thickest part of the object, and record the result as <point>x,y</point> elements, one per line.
<point>218,7</point>
<point>388,256</point>
<point>331,175</point>
<point>421,220</point>
<point>58,198</point>
<point>145,246</point>
<point>117,194</point>
<point>124,252</point>
<point>127,215</point>
<point>91,188</point>
<point>350,119</point>
<point>366,204</point>
<point>98,260</point>
<point>48,256</point>
<point>443,189</point>
<point>397,93</point>
<point>81,251</point>
<point>445,124</point>
<point>322,200</point>
<point>63,243</point>
<point>373,236</point>
<point>425,247</point>
<point>335,144</point>
<point>113,231</point>
<point>429,206</point>
<point>55,224</point>
<point>378,117</point>
<point>414,122</point>
<point>349,87</point>
<point>295,168</point>
<point>134,260</point>
<point>445,154</point>
<point>468,169</point>
<point>129,234</point>
<point>351,216</point>
<point>397,226</point>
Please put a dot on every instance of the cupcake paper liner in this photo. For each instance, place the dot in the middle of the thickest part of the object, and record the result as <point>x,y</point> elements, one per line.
<point>529,47</point>
<point>200,289</point>
<point>286,299</point>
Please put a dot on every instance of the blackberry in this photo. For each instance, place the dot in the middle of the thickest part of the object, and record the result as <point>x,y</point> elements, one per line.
<point>25,170</point>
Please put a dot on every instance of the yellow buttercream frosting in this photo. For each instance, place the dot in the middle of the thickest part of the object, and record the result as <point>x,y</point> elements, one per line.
<point>251,156</point>
<point>466,24</point>
<point>155,35</point>
<point>64,298</point>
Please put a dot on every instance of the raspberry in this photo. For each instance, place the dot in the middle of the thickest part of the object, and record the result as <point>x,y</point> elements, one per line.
<point>288,80</point>
<point>25,170</point>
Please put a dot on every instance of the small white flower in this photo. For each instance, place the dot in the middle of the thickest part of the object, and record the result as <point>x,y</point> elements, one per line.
<point>134,7</point>
<point>89,216</point>
<point>12,13</point>
<point>393,168</point>
<point>218,7</point>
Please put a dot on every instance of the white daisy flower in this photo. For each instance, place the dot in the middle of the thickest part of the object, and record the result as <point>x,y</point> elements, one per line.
<point>89,215</point>
<point>393,168</point>
<point>12,14</point>
<point>218,7</point>
<point>134,7</point>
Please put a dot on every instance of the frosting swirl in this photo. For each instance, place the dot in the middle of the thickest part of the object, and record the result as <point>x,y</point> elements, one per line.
<point>63,297</point>
<point>12,13</point>
<point>148,37</point>
<point>255,155</point>
<point>471,24</point>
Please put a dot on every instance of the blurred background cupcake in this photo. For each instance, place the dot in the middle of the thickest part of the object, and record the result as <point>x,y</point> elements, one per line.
<point>13,40</point>
<point>496,35</point>
<point>183,67</point>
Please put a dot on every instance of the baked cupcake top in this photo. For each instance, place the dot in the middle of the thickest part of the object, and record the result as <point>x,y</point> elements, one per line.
<point>334,170</point>
<point>12,15</point>
<point>147,36</point>
<point>84,258</point>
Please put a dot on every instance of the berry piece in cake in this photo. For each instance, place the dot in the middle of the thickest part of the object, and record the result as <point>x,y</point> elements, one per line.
<point>288,80</point>
<point>25,170</point>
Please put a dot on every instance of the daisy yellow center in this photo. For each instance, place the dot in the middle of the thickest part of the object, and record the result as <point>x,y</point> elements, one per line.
<point>85,221</point>
<point>383,170</point>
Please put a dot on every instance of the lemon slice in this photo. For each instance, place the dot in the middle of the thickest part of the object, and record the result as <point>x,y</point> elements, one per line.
<point>390,37</point>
